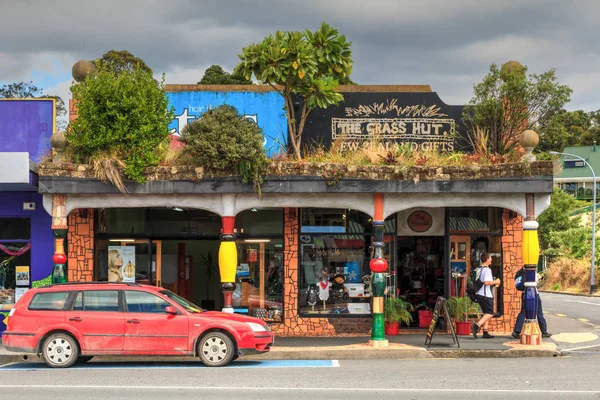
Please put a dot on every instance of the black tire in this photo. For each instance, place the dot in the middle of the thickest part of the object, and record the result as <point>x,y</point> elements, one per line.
<point>60,350</point>
<point>83,359</point>
<point>216,349</point>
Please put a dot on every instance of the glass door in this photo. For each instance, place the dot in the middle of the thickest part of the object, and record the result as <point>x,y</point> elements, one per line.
<point>259,278</point>
<point>460,264</point>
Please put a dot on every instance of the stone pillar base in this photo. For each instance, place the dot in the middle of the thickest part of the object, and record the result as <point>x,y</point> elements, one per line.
<point>378,343</point>
<point>531,333</point>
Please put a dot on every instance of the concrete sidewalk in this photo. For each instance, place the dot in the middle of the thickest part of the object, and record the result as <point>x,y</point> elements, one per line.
<point>407,346</point>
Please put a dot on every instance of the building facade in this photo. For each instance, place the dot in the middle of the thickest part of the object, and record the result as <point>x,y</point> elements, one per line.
<point>304,246</point>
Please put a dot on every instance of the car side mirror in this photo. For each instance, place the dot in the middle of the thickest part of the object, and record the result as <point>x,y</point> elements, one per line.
<point>170,310</point>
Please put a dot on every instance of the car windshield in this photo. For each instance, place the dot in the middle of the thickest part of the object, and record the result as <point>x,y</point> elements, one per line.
<point>189,306</point>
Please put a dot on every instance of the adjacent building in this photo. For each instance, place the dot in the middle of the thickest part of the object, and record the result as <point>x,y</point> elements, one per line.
<point>576,177</point>
<point>26,242</point>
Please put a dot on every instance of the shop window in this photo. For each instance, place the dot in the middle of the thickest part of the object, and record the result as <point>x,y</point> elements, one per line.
<point>183,222</point>
<point>15,229</point>
<point>14,256</point>
<point>475,219</point>
<point>259,279</point>
<point>324,220</point>
<point>334,253</point>
<point>122,220</point>
<point>335,249</point>
<point>260,221</point>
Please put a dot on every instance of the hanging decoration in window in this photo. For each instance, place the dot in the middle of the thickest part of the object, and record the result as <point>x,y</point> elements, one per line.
<point>17,253</point>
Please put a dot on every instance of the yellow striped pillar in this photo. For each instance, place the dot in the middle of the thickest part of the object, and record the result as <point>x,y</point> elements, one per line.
<point>227,262</point>
<point>530,334</point>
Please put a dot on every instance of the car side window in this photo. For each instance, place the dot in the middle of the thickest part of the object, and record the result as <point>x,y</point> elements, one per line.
<point>144,302</point>
<point>52,301</point>
<point>97,300</point>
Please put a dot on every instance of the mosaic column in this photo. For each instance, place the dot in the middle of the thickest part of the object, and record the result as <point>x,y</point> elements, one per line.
<point>378,266</point>
<point>227,262</point>
<point>59,230</point>
<point>530,334</point>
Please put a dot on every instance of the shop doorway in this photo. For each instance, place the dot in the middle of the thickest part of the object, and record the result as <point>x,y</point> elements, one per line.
<point>460,264</point>
<point>420,271</point>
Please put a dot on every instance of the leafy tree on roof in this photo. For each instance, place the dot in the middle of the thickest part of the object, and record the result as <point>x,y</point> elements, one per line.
<point>216,75</point>
<point>306,65</point>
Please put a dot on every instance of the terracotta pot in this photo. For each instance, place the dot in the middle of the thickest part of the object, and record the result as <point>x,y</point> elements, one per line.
<point>392,328</point>
<point>463,328</point>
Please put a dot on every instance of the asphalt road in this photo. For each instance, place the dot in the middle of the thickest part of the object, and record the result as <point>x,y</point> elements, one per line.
<point>552,378</point>
<point>581,308</point>
<point>574,322</point>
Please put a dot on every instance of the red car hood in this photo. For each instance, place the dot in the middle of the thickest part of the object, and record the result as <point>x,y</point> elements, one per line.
<point>231,317</point>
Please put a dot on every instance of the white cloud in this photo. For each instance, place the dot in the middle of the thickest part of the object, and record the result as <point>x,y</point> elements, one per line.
<point>447,44</point>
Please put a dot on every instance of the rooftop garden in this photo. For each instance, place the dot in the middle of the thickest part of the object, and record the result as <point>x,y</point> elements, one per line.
<point>121,130</point>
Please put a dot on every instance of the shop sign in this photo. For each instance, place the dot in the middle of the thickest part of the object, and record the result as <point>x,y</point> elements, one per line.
<point>420,221</point>
<point>381,121</point>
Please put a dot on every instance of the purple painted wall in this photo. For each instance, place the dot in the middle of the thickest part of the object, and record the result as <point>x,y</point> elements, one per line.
<point>42,241</point>
<point>26,125</point>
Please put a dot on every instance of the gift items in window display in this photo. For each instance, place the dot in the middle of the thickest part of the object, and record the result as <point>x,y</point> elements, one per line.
<point>332,275</point>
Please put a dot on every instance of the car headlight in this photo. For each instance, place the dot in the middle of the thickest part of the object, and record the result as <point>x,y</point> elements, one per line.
<point>256,327</point>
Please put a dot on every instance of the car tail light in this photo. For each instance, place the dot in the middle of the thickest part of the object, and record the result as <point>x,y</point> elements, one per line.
<point>12,311</point>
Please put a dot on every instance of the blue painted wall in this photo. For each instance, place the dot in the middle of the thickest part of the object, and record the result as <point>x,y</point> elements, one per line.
<point>26,126</point>
<point>42,241</point>
<point>265,109</point>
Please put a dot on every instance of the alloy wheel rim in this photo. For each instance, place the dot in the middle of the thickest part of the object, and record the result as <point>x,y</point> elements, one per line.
<point>214,349</point>
<point>59,351</point>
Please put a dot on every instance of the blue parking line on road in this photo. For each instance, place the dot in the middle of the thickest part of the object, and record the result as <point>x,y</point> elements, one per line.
<point>150,365</point>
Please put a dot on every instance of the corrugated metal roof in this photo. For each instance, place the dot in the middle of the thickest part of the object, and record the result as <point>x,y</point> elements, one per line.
<point>589,154</point>
<point>465,224</point>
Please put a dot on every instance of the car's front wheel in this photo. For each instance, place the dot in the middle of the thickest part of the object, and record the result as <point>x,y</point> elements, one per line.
<point>60,350</point>
<point>216,349</point>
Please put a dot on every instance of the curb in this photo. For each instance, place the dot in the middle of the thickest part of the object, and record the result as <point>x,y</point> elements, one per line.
<point>334,353</point>
<point>569,293</point>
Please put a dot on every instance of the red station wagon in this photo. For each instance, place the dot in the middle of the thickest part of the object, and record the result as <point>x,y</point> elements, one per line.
<point>73,322</point>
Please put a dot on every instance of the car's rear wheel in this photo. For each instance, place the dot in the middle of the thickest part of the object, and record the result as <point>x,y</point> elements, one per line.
<point>216,349</point>
<point>60,350</point>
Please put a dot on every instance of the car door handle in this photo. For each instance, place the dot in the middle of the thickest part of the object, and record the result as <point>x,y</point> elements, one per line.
<point>133,321</point>
<point>77,319</point>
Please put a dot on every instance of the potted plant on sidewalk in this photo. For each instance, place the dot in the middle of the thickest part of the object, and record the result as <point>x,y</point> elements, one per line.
<point>396,311</point>
<point>460,309</point>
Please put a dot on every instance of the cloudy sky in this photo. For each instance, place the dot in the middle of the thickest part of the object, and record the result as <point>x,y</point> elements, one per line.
<point>446,44</point>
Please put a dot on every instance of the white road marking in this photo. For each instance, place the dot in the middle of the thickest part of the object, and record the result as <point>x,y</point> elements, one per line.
<point>311,389</point>
<point>583,302</point>
<point>582,348</point>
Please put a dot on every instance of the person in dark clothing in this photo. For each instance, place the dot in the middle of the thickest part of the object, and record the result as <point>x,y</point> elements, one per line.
<point>540,317</point>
